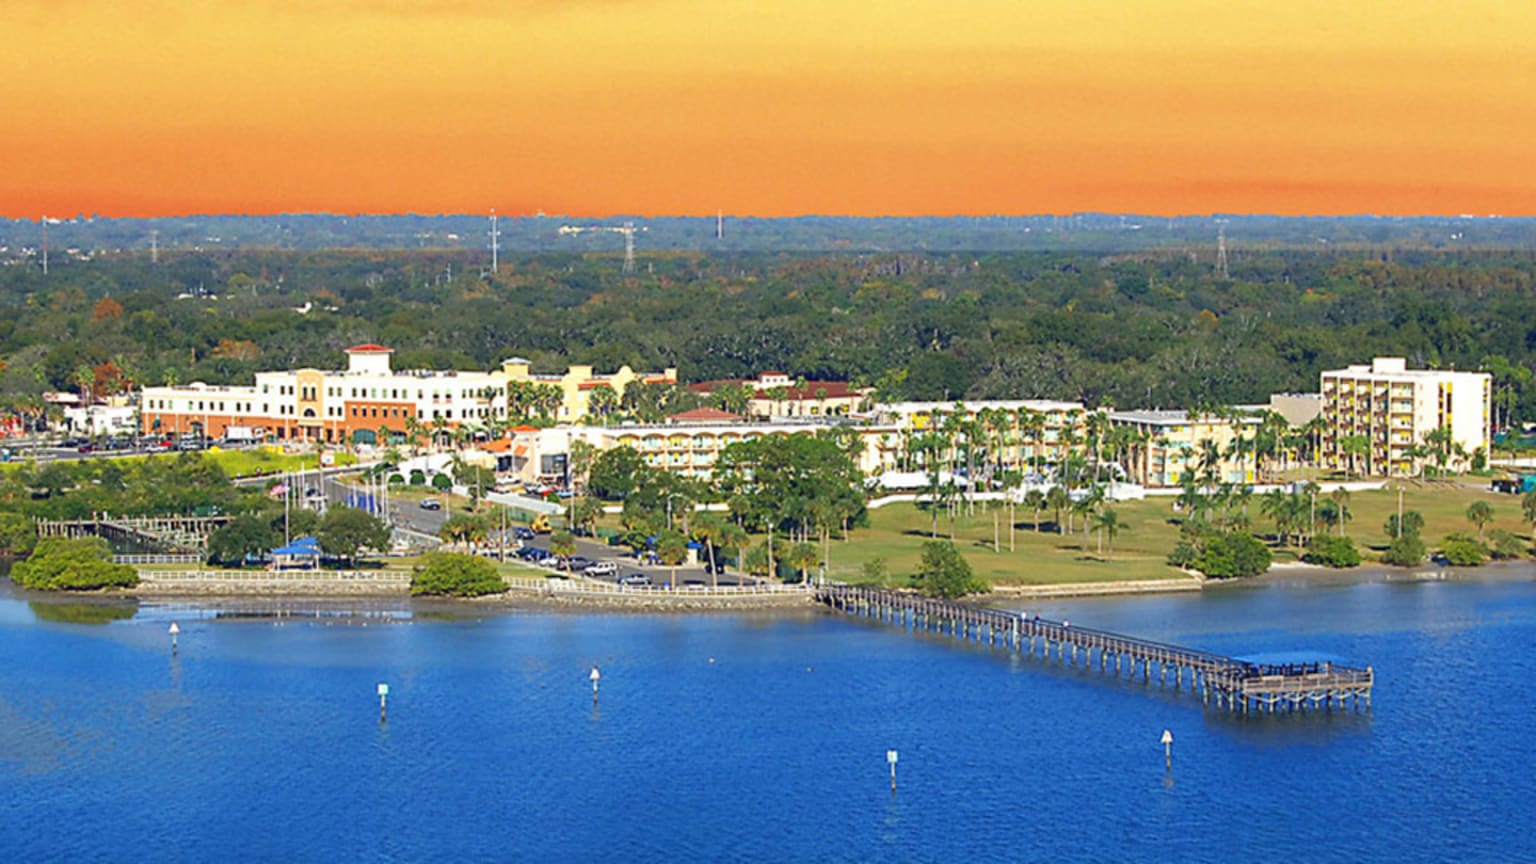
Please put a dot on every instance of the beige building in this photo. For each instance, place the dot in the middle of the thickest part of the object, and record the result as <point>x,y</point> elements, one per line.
<point>775,395</point>
<point>1382,419</point>
<point>1029,432</point>
<point>1170,447</point>
<point>368,402</point>
<point>571,397</point>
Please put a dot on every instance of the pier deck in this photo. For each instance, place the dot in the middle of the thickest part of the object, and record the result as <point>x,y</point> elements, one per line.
<point>1233,684</point>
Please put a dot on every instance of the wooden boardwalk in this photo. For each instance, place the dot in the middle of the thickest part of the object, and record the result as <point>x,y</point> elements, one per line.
<point>170,533</point>
<point>1233,684</point>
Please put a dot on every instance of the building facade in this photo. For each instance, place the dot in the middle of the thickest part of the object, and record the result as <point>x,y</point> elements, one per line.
<point>573,396</point>
<point>1387,419</point>
<point>1169,448</point>
<point>368,402</point>
<point>775,395</point>
<point>1025,433</point>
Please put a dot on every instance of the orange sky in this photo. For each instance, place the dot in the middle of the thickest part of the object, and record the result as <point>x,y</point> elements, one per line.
<point>768,107</point>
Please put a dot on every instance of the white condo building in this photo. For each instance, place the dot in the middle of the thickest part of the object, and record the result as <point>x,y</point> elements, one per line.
<point>1395,411</point>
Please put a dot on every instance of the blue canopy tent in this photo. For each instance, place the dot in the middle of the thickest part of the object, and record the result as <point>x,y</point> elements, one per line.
<point>301,554</point>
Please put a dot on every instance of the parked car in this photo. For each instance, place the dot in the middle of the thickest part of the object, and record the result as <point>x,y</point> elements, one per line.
<point>635,579</point>
<point>579,563</point>
<point>521,533</point>
<point>431,504</point>
<point>601,568</point>
<point>87,447</point>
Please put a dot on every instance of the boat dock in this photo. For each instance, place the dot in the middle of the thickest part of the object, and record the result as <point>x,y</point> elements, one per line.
<point>1233,684</point>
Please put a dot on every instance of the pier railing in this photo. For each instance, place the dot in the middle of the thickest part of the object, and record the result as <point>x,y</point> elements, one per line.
<point>1236,684</point>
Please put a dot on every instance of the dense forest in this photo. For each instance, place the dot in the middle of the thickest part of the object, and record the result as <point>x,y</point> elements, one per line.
<point>1144,328</point>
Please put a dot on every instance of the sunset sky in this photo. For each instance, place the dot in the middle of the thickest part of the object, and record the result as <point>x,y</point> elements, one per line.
<point>768,107</point>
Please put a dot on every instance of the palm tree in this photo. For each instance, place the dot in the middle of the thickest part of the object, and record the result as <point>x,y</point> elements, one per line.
<point>735,537</point>
<point>1480,513</point>
<point>1034,499</point>
<point>1341,502</point>
<point>802,557</point>
<point>1057,499</point>
<point>706,529</point>
<point>1108,522</point>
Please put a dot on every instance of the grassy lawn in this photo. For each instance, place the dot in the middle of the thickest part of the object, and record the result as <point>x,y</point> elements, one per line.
<point>1443,504</point>
<point>270,460</point>
<point>896,534</point>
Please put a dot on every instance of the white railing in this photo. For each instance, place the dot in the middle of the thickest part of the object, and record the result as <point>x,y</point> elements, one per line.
<point>609,589</point>
<point>393,577</point>
<point>157,559</point>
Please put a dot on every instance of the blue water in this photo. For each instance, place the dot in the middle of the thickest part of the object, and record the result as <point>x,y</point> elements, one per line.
<point>750,738</point>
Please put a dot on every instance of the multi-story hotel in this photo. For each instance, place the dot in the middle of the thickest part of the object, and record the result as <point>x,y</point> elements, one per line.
<point>1378,419</point>
<point>575,394</point>
<point>774,395</point>
<point>1171,447</point>
<point>1029,432</point>
<point>365,403</point>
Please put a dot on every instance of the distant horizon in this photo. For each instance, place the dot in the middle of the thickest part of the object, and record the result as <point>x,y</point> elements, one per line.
<point>1219,214</point>
<point>582,107</point>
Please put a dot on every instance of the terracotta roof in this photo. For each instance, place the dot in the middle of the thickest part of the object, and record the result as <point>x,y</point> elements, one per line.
<point>520,450</point>
<point>370,348</point>
<point>705,415</point>
<point>715,384</point>
<point>524,429</point>
<point>593,385</point>
<point>500,445</point>
<point>832,390</point>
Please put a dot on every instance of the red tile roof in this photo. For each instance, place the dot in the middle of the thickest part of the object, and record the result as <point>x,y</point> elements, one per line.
<point>370,348</point>
<point>705,415</point>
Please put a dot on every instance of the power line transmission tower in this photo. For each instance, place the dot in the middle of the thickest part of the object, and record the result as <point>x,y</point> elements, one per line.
<point>628,229</point>
<point>154,247</point>
<point>719,224</point>
<point>1221,251</point>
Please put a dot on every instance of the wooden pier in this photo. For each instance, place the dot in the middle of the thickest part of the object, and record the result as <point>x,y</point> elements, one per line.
<point>1233,684</point>
<point>168,533</point>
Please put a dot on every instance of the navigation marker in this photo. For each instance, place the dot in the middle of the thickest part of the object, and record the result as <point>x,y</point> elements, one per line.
<point>1168,749</point>
<point>383,702</point>
<point>174,630</point>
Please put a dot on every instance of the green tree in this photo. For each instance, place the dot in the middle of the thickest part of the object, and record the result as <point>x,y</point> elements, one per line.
<point>84,564</point>
<point>18,534</point>
<point>462,529</point>
<point>944,572</point>
<point>1109,525</point>
<point>1412,524</point>
<point>1505,545</point>
<point>245,535</point>
<point>1462,550</point>
<point>448,573</point>
<point>1230,556</point>
<point>345,531</point>
<point>802,557</point>
<point>1480,513</point>
<point>1335,552</point>
<point>614,473</point>
<point>1405,551</point>
<point>563,543</point>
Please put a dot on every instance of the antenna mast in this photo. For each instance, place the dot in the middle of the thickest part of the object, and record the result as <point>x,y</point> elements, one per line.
<point>629,247</point>
<point>719,224</point>
<point>495,236</point>
<point>1221,251</point>
<point>45,245</point>
<point>154,247</point>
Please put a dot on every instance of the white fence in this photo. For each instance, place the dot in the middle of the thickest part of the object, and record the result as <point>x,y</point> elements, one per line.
<point>279,577</point>
<point>158,559</point>
<point>609,589</point>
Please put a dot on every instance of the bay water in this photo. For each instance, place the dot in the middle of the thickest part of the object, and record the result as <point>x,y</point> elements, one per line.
<point>757,737</point>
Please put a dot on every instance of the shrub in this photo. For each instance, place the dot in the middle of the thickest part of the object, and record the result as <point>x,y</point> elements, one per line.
<point>1413,523</point>
<point>18,534</point>
<point>1505,545</point>
<point>945,572</point>
<point>449,573</point>
<point>1183,555</point>
<point>1406,551</point>
<point>1332,551</point>
<point>442,482</point>
<point>418,477</point>
<point>1232,556</point>
<point>58,564</point>
<point>1463,551</point>
<point>397,479</point>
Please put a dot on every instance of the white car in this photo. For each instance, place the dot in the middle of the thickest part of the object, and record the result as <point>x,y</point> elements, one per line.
<point>601,568</point>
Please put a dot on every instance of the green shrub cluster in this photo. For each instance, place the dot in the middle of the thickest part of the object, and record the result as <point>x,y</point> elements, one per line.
<point>1406,551</point>
<point>1223,556</point>
<point>85,564</point>
<point>1331,551</point>
<point>449,573</point>
<point>1463,550</point>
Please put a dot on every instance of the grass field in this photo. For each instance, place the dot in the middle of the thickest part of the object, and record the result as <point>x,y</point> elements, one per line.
<point>896,534</point>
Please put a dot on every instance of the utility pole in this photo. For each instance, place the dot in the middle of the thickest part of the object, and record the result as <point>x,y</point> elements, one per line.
<point>1221,251</point>
<point>719,224</point>
<point>154,247</point>
<point>45,245</point>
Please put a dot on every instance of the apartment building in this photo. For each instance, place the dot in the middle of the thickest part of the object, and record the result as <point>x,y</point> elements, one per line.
<point>1383,419</point>
<point>1166,448</point>
<point>572,396</point>
<point>368,402</point>
<point>1028,432</point>
<point>775,395</point>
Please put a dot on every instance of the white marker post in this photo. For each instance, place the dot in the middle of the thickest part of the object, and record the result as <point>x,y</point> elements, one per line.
<point>174,630</point>
<point>890,757</point>
<point>595,677</point>
<point>1168,749</point>
<point>383,703</point>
